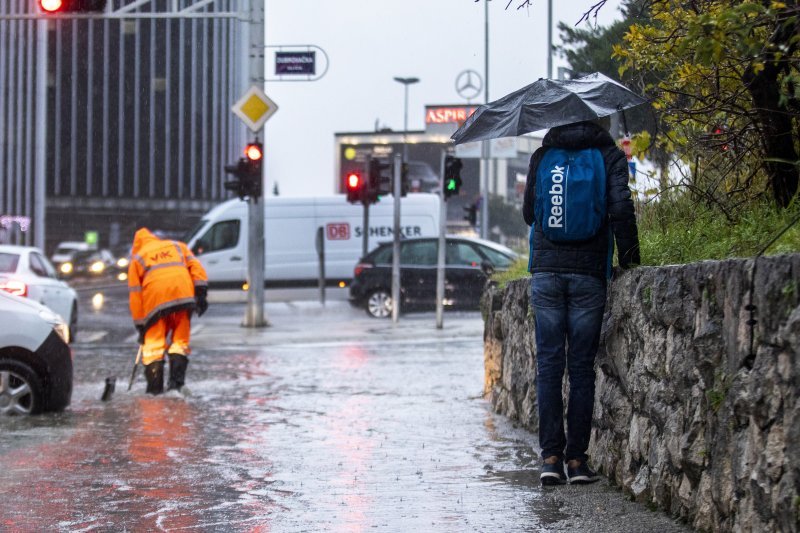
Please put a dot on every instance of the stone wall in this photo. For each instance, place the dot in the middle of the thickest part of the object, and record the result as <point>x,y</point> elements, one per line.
<point>685,418</point>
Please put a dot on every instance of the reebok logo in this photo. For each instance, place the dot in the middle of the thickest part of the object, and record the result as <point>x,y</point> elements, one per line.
<point>556,218</point>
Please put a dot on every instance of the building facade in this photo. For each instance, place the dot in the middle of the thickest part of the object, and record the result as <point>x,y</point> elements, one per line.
<point>137,118</point>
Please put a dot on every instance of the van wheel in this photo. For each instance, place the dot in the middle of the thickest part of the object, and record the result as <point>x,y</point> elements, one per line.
<point>379,304</point>
<point>21,390</point>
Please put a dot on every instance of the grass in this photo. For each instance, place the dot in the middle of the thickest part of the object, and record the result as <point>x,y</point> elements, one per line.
<point>679,231</point>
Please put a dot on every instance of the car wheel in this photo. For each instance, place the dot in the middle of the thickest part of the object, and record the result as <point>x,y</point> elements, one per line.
<point>379,304</point>
<point>73,322</point>
<point>21,390</point>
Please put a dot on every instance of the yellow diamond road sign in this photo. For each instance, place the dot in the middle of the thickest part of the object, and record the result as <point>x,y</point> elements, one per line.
<point>254,108</point>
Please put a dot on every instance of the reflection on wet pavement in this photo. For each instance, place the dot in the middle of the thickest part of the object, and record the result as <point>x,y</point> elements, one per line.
<point>385,433</point>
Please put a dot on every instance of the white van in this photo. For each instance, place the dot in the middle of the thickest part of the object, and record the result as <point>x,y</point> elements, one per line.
<point>290,226</point>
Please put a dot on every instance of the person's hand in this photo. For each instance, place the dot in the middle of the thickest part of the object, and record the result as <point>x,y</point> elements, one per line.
<point>201,299</point>
<point>140,329</point>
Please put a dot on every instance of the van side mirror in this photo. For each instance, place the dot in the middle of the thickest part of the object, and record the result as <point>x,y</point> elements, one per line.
<point>487,268</point>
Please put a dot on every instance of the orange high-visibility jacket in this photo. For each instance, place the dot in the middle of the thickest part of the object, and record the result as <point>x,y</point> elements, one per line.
<point>162,277</point>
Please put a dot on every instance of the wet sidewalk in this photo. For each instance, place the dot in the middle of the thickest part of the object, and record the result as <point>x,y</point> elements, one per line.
<point>326,421</point>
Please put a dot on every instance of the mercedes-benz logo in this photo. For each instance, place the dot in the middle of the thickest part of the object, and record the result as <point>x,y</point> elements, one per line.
<point>469,84</point>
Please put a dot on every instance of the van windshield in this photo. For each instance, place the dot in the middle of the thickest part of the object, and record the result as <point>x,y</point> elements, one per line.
<point>195,230</point>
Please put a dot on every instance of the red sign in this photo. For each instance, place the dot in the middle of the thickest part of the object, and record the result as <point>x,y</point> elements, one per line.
<point>448,115</point>
<point>339,231</point>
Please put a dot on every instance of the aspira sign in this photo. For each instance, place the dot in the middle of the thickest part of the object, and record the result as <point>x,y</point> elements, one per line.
<point>446,118</point>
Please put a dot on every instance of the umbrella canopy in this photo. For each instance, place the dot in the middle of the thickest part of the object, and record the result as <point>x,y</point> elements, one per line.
<point>547,104</point>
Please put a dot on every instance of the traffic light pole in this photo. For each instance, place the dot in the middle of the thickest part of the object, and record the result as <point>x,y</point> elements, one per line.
<point>442,243</point>
<point>365,200</point>
<point>397,192</point>
<point>254,313</point>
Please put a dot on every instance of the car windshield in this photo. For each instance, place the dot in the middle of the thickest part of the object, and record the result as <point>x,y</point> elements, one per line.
<point>8,262</point>
<point>498,259</point>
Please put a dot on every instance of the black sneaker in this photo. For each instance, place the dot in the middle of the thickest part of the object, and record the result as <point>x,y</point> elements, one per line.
<point>553,474</point>
<point>582,474</point>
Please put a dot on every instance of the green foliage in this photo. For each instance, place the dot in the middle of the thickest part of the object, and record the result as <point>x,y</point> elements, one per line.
<point>518,270</point>
<point>682,231</point>
<point>723,75</point>
<point>678,230</point>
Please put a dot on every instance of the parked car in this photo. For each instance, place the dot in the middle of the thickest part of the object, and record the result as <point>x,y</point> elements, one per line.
<point>35,360</point>
<point>26,272</point>
<point>468,263</point>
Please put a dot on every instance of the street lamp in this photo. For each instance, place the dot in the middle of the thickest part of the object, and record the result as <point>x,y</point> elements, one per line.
<point>397,192</point>
<point>406,82</point>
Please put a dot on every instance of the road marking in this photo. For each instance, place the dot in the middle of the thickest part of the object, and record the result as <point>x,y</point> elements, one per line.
<point>90,336</point>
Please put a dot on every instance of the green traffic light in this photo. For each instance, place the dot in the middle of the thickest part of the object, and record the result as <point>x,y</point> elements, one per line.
<point>451,184</point>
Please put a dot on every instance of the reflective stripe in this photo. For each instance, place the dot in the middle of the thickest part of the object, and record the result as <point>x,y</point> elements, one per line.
<point>135,289</point>
<point>200,283</point>
<point>167,305</point>
<point>164,265</point>
<point>180,254</point>
<point>138,259</point>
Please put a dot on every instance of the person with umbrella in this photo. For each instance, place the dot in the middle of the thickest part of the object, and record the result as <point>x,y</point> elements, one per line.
<point>577,202</point>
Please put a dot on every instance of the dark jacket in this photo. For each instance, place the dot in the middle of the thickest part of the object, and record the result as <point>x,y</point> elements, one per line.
<point>590,256</point>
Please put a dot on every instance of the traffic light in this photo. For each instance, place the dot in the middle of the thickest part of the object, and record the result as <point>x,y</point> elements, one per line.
<point>380,179</point>
<point>72,6</point>
<point>452,176</point>
<point>355,187</point>
<point>247,175</point>
<point>472,214</point>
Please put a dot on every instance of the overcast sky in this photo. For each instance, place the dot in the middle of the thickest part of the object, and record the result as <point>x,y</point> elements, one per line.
<point>371,41</point>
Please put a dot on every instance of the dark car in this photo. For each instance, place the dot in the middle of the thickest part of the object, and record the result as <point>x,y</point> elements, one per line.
<point>35,360</point>
<point>468,263</point>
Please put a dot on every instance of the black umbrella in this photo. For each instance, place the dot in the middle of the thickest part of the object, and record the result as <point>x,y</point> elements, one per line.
<point>545,104</point>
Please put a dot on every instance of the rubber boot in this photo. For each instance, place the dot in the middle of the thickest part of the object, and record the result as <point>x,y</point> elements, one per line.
<point>154,372</point>
<point>177,371</point>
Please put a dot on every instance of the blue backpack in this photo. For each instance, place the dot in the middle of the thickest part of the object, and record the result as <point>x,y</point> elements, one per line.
<point>570,194</point>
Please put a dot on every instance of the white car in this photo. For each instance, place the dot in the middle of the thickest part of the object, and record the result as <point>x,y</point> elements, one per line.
<point>26,272</point>
<point>35,360</point>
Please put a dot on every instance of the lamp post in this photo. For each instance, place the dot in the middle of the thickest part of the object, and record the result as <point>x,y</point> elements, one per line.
<point>397,193</point>
<point>406,82</point>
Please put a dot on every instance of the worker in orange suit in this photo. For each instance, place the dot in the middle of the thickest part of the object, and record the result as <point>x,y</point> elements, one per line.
<point>166,283</point>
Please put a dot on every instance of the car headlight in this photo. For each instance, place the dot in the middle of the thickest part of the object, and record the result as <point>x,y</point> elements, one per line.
<point>65,268</point>
<point>97,267</point>
<point>123,262</point>
<point>59,326</point>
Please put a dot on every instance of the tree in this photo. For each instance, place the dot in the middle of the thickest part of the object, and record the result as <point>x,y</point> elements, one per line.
<point>727,83</point>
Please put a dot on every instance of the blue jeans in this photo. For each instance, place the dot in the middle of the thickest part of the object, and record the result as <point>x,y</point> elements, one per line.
<point>568,314</point>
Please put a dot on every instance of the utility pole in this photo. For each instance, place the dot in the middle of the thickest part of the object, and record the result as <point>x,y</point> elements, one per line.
<point>485,146</point>
<point>254,314</point>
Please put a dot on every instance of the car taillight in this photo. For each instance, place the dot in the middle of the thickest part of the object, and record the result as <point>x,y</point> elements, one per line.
<point>360,268</point>
<point>15,287</point>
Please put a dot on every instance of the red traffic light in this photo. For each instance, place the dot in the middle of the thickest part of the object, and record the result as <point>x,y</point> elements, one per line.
<point>253,152</point>
<point>72,6</point>
<point>51,6</point>
<point>353,181</point>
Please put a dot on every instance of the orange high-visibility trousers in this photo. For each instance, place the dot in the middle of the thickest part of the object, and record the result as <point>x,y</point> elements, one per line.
<point>179,325</point>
